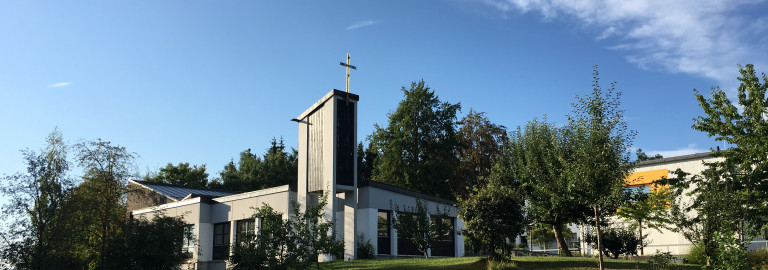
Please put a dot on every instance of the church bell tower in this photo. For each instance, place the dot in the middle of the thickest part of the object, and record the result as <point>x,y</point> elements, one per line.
<point>327,162</point>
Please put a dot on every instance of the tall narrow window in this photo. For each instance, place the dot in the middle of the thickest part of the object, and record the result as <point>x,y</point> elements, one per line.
<point>245,229</point>
<point>345,143</point>
<point>188,242</point>
<point>384,229</point>
<point>221,241</point>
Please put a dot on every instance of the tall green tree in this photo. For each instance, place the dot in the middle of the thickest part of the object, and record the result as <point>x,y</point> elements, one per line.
<point>181,174</point>
<point>699,208</point>
<point>276,167</point>
<point>97,206</point>
<point>602,144</point>
<point>366,158</point>
<point>729,195</point>
<point>149,244</point>
<point>744,168</point>
<point>540,157</point>
<point>58,225</point>
<point>35,199</point>
<point>481,144</point>
<point>492,214</point>
<point>418,146</point>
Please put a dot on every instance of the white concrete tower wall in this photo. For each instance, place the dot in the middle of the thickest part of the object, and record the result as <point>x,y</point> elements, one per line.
<point>327,162</point>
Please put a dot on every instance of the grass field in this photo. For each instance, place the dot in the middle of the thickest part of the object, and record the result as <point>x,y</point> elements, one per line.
<point>522,263</point>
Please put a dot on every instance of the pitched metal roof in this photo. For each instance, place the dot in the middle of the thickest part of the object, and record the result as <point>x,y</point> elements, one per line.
<point>179,192</point>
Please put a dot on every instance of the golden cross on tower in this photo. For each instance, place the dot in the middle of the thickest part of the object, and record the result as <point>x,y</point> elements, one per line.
<point>348,67</point>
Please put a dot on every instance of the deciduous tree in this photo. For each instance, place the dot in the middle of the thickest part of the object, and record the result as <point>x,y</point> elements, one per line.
<point>416,224</point>
<point>33,209</point>
<point>481,144</point>
<point>97,206</point>
<point>646,210</point>
<point>149,244</point>
<point>601,143</point>
<point>492,214</point>
<point>744,169</point>
<point>540,157</point>
<point>729,195</point>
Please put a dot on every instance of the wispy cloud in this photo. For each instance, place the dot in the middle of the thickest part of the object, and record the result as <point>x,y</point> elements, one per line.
<point>703,38</point>
<point>690,149</point>
<point>59,84</point>
<point>361,24</point>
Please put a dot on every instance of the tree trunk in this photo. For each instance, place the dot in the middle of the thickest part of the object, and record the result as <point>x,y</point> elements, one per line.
<point>562,246</point>
<point>640,230</point>
<point>599,247</point>
<point>529,239</point>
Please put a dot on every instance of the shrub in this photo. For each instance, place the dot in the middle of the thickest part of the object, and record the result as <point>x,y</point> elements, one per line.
<point>617,241</point>
<point>731,253</point>
<point>293,243</point>
<point>661,260</point>
<point>365,249</point>
<point>696,256</point>
<point>758,258</point>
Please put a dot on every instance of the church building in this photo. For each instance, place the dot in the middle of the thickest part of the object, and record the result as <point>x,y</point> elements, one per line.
<point>326,166</point>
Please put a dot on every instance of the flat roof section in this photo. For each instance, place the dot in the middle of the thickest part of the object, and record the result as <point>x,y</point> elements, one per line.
<point>178,192</point>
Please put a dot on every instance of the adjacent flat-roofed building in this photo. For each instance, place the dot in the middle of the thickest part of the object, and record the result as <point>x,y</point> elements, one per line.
<point>327,166</point>
<point>642,178</point>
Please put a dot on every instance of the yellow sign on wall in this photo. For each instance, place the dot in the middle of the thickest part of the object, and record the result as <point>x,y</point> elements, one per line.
<point>645,178</point>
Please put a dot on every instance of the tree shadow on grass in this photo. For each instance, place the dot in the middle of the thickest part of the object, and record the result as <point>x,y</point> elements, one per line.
<point>399,265</point>
<point>525,265</point>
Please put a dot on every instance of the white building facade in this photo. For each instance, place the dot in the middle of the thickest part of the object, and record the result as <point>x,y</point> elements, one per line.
<point>326,167</point>
<point>643,176</point>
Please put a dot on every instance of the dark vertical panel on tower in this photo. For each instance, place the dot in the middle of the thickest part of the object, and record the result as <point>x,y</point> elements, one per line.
<point>345,142</point>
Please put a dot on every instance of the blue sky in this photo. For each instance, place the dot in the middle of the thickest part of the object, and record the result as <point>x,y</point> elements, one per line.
<point>201,81</point>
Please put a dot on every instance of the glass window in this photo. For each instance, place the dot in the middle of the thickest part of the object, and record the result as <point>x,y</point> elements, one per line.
<point>221,241</point>
<point>446,226</point>
<point>188,242</point>
<point>383,224</point>
<point>644,189</point>
<point>245,228</point>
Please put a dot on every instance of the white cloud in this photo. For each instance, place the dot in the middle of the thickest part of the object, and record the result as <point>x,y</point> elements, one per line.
<point>607,33</point>
<point>690,149</point>
<point>59,84</point>
<point>361,24</point>
<point>703,38</point>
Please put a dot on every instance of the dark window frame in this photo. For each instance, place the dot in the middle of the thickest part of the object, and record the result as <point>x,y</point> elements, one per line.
<point>383,242</point>
<point>221,249</point>
<point>188,239</point>
<point>244,228</point>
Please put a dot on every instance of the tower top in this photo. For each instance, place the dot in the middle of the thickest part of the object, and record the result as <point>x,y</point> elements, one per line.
<point>329,95</point>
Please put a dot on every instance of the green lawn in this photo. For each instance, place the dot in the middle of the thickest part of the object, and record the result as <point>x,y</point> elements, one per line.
<point>480,263</point>
<point>416,263</point>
